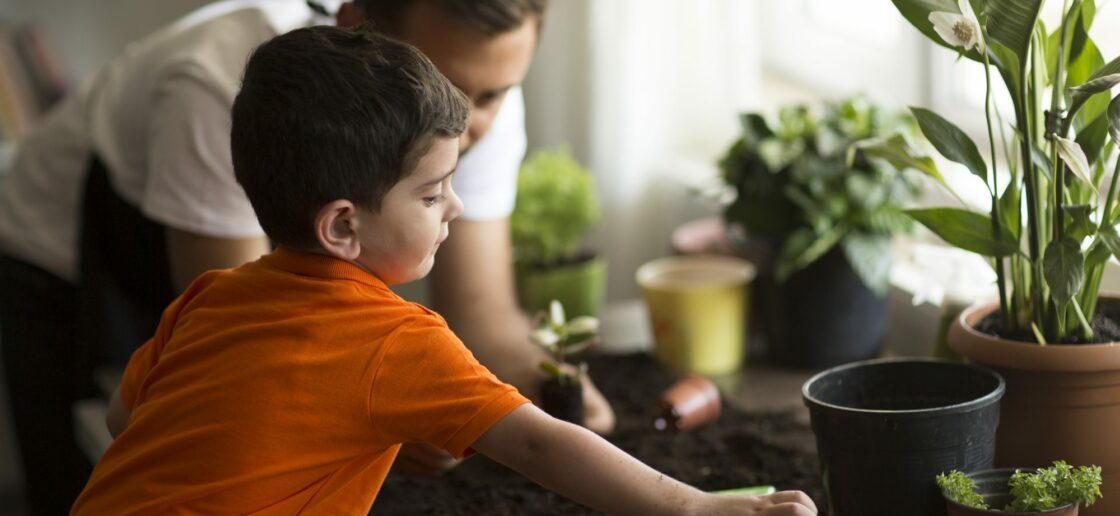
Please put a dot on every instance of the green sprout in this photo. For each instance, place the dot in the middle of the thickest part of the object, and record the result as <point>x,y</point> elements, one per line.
<point>1042,490</point>
<point>961,489</point>
<point>561,338</point>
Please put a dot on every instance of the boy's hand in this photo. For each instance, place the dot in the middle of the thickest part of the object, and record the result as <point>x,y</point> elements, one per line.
<point>423,459</point>
<point>782,503</point>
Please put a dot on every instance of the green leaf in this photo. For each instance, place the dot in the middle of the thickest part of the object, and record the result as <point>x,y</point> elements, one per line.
<point>1091,138</point>
<point>961,489</point>
<point>1078,223</point>
<point>1097,85</point>
<point>951,141</point>
<point>1111,240</point>
<point>895,150</point>
<point>1062,266</point>
<point>1099,252</point>
<point>551,369</point>
<point>755,129</point>
<point>1074,157</point>
<point>1042,161</point>
<point>1108,69</point>
<point>1114,119</point>
<point>870,256</point>
<point>804,247</point>
<point>1010,208</point>
<point>1010,23</point>
<point>967,230</point>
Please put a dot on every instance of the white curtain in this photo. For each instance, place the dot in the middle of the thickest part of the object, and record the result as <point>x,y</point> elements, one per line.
<point>646,93</point>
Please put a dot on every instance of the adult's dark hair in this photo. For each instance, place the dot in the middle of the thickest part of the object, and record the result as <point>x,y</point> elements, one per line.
<point>490,16</point>
<point>326,113</point>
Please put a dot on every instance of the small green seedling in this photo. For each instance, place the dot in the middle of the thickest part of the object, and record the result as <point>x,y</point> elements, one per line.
<point>563,338</point>
<point>1045,489</point>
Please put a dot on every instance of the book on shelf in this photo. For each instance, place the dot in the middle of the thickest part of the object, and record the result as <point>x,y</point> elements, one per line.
<point>31,79</point>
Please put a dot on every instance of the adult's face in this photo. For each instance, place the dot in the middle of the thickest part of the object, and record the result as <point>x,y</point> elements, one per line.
<point>484,66</point>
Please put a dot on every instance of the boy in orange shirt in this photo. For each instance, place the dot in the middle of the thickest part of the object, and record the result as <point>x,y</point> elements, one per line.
<point>287,385</point>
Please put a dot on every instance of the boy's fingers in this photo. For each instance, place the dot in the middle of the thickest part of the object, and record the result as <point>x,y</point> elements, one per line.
<point>798,497</point>
<point>789,509</point>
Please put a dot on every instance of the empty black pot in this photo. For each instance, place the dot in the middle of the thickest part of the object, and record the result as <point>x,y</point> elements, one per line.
<point>885,428</point>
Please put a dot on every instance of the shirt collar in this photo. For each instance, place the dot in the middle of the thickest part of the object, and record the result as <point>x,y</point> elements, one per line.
<point>320,266</point>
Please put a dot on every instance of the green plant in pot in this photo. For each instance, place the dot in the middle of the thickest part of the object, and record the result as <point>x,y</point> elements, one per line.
<point>1059,490</point>
<point>562,392</point>
<point>1049,229</point>
<point>818,226</point>
<point>555,209</point>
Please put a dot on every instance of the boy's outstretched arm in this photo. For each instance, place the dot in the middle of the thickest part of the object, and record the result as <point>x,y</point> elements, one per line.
<point>580,465</point>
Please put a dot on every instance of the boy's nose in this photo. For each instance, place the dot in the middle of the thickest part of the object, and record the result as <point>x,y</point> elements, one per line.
<point>454,206</point>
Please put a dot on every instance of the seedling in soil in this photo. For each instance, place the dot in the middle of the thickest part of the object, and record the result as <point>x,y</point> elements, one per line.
<point>562,393</point>
<point>1042,490</point>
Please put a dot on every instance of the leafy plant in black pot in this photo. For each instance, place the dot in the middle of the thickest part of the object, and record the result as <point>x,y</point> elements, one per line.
<point>562,392</point>
<point>818,227</point>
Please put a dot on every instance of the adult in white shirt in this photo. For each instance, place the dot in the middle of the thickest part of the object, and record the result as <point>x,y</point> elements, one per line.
<point>125,193</point>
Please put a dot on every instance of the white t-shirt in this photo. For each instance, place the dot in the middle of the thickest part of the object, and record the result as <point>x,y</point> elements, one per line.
<point>158,116</point>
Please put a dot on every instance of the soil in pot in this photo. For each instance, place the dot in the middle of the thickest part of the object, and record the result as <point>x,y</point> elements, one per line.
<point>740,449</point>
<point>1105,324</point>
<point>562,398</point>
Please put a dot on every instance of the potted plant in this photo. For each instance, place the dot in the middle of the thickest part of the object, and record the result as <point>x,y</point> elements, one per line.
<point>886,426</point>
<point>562,392</point>
<point>818,226</point>
<point>1050,228</point>
<point>1055,491</point>
<point>555,208</point>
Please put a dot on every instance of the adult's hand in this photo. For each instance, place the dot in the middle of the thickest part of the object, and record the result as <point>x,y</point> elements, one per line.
<point>597,413</point>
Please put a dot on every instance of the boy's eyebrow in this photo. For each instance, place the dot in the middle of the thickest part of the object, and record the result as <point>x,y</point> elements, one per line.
<point>437,181</point>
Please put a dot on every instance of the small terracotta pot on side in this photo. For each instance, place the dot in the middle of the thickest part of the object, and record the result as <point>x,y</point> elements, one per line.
<point>1062,401</point>
<point>691,402</point>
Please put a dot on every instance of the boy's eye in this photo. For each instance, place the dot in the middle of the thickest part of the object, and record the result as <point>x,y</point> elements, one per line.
<point>432,201</point>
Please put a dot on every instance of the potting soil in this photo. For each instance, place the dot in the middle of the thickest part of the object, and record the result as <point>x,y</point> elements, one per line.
<point>741,449</point>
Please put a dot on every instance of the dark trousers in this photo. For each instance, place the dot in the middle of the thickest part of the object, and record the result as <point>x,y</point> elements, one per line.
<point>54,334</point>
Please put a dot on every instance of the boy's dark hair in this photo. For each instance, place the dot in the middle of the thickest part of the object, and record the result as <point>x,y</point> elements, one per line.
<point>490,16</point>
<point>326,113</point>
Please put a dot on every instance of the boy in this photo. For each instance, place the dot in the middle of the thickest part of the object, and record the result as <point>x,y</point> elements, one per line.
<point>288,384</point>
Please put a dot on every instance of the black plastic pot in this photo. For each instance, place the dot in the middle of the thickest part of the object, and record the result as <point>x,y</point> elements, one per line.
<point>885,428</point>
<point>563,399</point>
<point>822,316</point>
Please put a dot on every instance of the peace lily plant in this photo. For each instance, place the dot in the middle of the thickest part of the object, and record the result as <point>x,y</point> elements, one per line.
<point>1052,222</point>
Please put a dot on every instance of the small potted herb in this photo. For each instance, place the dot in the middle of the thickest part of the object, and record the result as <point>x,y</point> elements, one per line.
<point>556,207</point>
<point>562,392</point>
<point>1055,491</point>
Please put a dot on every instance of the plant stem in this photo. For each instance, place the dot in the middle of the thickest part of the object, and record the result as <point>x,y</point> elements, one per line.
<point>1001,282</point>
<point>1030,174</point>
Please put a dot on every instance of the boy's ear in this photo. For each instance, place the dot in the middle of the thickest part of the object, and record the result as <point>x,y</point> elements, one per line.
<point>336,229</point>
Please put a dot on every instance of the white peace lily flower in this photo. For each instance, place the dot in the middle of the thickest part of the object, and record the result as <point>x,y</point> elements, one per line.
<point>545,337</point>
<point>583,324</point>
<point>959,29</point>
<point>556,312</point>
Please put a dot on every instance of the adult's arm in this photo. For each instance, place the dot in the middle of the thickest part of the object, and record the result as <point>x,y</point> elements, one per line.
<point>116,418</point>
<point>472,287</point>
<point>582,466</point>
<point>191,254</point>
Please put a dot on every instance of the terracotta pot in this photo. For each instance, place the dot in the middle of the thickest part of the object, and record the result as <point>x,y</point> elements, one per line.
<point>1062,401</point>
<point>992,485</point>
<point>691,402</point>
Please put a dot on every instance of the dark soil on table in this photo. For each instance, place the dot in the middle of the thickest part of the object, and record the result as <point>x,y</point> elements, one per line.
<point>741,449</point>
<point>1105,325</point>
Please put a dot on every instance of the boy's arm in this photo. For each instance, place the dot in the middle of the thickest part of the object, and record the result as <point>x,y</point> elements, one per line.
<point>117,416</point>
<point>472,288</point>
<point>580,465</point>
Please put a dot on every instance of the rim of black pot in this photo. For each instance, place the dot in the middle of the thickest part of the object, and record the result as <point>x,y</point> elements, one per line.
<point>996,393</point>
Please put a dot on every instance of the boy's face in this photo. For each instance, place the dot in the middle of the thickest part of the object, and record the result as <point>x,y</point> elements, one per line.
<point>484,67</point>
<point>398,244</point>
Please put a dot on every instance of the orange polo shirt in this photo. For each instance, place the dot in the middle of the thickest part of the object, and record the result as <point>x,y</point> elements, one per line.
<point>286,386</point>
